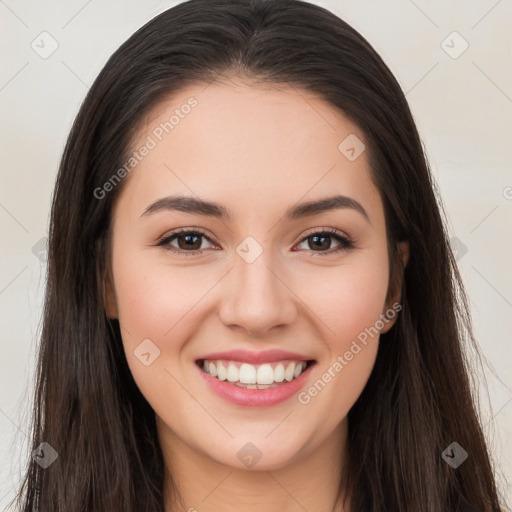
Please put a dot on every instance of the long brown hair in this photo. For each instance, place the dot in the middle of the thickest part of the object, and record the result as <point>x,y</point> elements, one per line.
<point>418,399</point>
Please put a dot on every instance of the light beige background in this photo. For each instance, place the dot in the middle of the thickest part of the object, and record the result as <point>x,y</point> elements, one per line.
<point>462,106</point>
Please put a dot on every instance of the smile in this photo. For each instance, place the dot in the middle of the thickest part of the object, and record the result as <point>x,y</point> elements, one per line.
<point>259,383</point>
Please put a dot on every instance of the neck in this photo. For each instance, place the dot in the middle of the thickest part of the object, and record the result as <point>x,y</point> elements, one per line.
<point>311,482</point>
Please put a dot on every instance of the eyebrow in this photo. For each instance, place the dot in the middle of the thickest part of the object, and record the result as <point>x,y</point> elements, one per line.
<point>197,206</point>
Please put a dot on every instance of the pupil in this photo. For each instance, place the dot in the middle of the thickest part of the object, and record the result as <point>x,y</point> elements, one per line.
<point>317,238</point>
<point>189,243</point>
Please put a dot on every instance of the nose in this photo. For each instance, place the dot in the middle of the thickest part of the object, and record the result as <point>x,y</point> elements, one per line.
<point>256,297</point>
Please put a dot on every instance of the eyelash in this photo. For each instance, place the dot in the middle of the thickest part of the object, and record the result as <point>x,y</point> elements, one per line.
<point>344,241</point>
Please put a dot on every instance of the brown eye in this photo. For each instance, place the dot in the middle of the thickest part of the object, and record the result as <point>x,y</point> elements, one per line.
<point>184,242</point>
<point>192,242</point>
<point>321,242</point>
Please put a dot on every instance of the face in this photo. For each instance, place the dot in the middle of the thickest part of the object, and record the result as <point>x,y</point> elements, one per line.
<point>281,298</point>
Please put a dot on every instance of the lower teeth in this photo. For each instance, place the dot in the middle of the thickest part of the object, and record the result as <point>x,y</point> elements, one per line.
<point>255,386</point>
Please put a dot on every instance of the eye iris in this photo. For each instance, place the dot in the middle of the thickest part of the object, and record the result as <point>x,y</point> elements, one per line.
<point>316,238</point>
<point>191,240</point>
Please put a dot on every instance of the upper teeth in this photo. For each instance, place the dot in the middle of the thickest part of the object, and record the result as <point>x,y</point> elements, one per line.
<point>246,373</point>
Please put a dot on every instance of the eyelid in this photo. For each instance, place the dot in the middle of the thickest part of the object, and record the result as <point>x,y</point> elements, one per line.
<point>345,241</point>
<point>162,241</point>
<point>324,229</point>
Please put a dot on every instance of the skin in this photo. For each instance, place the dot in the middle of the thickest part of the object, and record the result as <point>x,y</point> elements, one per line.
<point>257,151</point>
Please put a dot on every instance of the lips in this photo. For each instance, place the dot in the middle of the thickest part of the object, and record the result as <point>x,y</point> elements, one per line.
<point>255,379</point>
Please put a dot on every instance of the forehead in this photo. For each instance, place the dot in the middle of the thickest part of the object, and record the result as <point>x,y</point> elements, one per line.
<point>236,141</point>
<point>243,115</point>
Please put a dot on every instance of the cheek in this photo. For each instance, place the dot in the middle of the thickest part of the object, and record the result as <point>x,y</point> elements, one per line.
<point>156,312</point>
<point>349,305</point>
<point>154,298</point>
<point>154,302</point>
<point>349,301</point>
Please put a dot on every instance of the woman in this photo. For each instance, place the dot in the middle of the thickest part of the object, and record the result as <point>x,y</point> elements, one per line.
<point>197,353</point>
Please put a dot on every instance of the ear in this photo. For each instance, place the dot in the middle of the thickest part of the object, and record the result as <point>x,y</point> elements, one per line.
<point>109,295</point>
<point>394,295</point>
